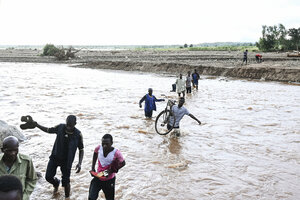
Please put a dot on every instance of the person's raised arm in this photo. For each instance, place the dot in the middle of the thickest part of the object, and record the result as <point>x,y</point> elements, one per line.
<point>155,99</point>
<point>47,130</point>
<point>193,117</point>
<point>141,101</point>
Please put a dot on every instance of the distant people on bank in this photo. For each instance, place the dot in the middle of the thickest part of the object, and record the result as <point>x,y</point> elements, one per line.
<point>179,111</point>
<point>245,59</point>
<point>10,188</point>
<point>150,105</point>
<point>110,160</point>
<point>14,163</point>
<point>180,86</point>
<point>68,140</point>
<point>188,83</point>
<point>196,78</point>
<point>258,58</point>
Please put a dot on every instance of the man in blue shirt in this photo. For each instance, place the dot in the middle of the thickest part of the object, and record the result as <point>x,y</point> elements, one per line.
<point>149,103</point>
<point>195,77</point>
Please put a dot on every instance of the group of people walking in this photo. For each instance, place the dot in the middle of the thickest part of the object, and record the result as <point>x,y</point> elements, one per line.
<point>179,111</point>
<point>185,85</point>
<point>68,139</point>
<point>17,173</point>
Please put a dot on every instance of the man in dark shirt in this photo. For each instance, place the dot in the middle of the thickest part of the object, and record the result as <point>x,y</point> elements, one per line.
<point>68,139</point>
<point>245,59</point>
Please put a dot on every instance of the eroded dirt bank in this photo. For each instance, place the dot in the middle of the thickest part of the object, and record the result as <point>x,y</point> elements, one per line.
<point>276,66</point>
<point>249,71</point>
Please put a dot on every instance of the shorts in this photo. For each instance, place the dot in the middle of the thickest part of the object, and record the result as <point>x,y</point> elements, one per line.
<point>169,127</point>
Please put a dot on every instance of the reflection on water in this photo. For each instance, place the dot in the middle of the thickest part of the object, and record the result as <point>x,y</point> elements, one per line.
<point>247,148</point>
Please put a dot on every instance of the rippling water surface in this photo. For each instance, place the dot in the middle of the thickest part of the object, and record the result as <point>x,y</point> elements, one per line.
<point>247,148</point>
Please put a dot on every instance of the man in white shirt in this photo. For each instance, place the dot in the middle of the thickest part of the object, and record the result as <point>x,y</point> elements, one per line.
<point>180,86</point>
<point>179,111</point>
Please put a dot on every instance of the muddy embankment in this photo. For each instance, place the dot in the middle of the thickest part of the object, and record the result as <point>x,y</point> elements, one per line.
<point>262,73</point>
<point>276,66</point>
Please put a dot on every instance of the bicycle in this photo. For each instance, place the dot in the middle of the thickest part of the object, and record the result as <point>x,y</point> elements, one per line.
<point>162,122</point>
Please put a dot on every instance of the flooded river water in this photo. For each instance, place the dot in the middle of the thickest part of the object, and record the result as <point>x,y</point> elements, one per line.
<point>247,148</point>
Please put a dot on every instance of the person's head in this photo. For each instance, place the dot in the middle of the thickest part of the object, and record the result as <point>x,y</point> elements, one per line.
<point>107,141</point>
<point>70,123</point>
<point>180,76</point>
<point>10,188</point>
<point>150,91</point>
<point>10,148</point>
<point>181,102</point>
<point>246,50</point>
<point>189,73</point>
<point>195,71</point>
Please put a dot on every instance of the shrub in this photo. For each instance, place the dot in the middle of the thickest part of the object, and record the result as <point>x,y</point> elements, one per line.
<point>50,50</point>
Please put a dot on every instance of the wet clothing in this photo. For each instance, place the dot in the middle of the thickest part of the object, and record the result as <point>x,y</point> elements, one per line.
<point>195,77</point>
<point>51,172</point>
<point>149,104</point>
<point>149,114</point>
<point>65,145</point>
<point>107,184</point>
<point>188,84</point>
<point>63,153</point>
<point>108,188</point>
<point>24,170</point>
<point>188,81</point>
<point>169,127</point>
<point>105,163</point>
<point>180,85</point>
<point>178,113</point>
<point>188,89</point>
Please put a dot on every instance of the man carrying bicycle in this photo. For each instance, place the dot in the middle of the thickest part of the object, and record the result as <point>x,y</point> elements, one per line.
<point>179,111</point>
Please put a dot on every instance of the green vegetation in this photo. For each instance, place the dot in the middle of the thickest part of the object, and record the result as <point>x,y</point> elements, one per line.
<point>217,46</point>
<point>277,38</point>
<point>224,48</point>
<point>50,50</point>
<point>59,53</point>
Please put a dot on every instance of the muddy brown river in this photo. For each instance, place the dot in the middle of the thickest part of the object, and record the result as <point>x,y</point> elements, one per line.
<point>248,146</point>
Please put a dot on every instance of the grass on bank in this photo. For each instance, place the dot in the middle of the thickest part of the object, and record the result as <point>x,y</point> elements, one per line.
<point>224,48</point>
<point>212,48</point>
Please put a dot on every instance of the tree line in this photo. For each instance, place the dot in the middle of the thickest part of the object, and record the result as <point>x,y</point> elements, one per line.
<point>278,38</point>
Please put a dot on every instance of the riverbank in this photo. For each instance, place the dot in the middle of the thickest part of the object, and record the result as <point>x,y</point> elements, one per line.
<point>276,66</point>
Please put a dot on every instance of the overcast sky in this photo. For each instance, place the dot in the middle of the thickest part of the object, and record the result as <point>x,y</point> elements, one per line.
<point>138,22</point>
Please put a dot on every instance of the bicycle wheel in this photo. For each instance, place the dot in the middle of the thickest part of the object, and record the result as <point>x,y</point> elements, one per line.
<point>162,121</point>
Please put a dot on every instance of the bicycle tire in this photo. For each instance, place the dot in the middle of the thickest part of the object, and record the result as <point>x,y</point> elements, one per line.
<point>161,127</point>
